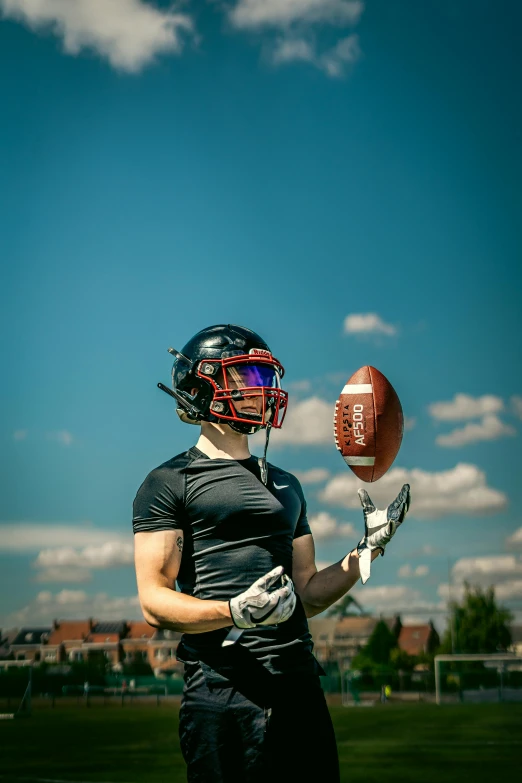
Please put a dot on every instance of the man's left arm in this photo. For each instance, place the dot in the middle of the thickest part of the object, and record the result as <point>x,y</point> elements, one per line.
<point>320,589</point>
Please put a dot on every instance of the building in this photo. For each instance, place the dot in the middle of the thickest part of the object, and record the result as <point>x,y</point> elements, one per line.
<point>104,642</point>
<point>114,643</point>
<point>65,642</point>
<point>27,644</point>
<point>341,639</point>
<point>6,639</point>
<point>516,639</point>
<point>162,653</point>
<point>419,639</point>
<point>135,645</point>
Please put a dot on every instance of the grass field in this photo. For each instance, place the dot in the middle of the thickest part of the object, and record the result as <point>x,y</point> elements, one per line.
<point>139,744</point>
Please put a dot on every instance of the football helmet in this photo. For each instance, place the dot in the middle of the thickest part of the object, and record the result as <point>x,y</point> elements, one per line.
<point>221,366</point>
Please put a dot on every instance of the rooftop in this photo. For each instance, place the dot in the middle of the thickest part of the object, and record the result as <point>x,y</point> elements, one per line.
<point>30,635</point>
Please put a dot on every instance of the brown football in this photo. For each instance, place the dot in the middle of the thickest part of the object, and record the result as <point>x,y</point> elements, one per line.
<point>368,424</point>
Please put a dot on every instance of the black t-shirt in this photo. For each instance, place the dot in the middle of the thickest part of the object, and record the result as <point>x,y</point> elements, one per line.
<point>235,531</point>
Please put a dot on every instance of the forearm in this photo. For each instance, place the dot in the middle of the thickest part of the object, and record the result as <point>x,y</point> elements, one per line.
<point>166,608</point>
<point>327,586</point>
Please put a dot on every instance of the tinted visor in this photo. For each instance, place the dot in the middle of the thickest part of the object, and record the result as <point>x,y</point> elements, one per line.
<point>239,376</point>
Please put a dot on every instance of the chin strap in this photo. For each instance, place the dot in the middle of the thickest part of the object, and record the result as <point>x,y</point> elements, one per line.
<point>262,460</point>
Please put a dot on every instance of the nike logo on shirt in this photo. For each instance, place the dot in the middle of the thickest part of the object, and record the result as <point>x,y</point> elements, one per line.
<point>284,486</point>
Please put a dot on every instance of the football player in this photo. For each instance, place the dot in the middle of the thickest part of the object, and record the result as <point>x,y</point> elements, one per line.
<point>232,531</point>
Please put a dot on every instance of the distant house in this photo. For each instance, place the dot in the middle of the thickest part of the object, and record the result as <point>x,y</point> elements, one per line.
<point>516,639</point>
<point>104,642</point>
<point>136,643</point>
<point>162,652</point>
<point>65,643</point>
<point>418,639</point>
<point>340,639</point>
<point>323,635</point>
<point>27,644</point>
<point>6,639</point>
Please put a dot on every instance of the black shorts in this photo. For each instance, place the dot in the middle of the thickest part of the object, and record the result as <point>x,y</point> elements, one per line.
<point>235,732</point>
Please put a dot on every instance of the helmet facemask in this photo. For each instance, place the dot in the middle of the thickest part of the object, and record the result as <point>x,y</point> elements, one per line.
<point>247,378</point>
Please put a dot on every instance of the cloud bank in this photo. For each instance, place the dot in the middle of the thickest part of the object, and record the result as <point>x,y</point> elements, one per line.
<point>324,526</point>
<point>462,490</point>
<point>73,604</point>
<point>490,428</point>
<point>463,407</point>
<point>127,33</point>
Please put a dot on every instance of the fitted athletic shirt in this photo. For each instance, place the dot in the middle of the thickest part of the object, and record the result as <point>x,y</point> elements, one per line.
<point>235,530</point>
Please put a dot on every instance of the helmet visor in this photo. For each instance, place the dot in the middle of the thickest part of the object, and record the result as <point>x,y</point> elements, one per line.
<point>241,376</point>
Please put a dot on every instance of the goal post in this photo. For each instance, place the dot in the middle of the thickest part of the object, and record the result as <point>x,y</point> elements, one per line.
<point>15,689</point>
<point>500,661</point>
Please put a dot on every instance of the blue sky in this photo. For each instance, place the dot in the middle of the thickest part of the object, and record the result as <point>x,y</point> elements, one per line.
<point>285,166</point>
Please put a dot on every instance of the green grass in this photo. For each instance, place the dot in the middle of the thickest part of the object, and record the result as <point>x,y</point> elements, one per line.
<point>393,742</point>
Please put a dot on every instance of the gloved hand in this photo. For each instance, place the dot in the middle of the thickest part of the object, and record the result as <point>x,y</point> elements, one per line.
<point>269,601</point>
<point>380,526</point>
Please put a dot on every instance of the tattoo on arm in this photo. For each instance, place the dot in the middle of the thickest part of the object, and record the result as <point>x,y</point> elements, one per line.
<point>179,542</point>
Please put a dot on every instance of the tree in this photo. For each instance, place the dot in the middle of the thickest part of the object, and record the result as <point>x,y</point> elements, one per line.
<point>380,644</point>
<point>343,608</point>
<point>477,624</point>
<point>402,661</point>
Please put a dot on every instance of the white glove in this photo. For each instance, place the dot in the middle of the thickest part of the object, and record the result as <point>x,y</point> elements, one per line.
<point>269,601</point>
<point>379,526</point>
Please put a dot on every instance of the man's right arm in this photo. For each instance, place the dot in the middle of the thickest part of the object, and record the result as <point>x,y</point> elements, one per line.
<point>157,556</point>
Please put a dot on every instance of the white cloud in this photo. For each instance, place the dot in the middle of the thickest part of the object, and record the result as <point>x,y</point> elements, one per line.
<point>256,14</point>
<point>19,435</point>
<point>323,526</point>
<point>128,33</point>
<point>308,423</point>
<point>295,22</point>
<point>505,591</point>
<point>461,490</point>
<point>63,574</point>
<point>66,564</point>
<point>62,436</point>
<point>406,571</point>
<point>347,51</point>
<point>390,599</point>
<point>509,590</point>
<point>503,572</point>
<point>516,538</point>
<point>73,604</point>
<point>106,555</point>
<point>292,50</point>
<point>332,61</point>
<point>409,423</point>
<point>463,406</point>
<point>490,428</point>
<point>486,570</point>
<point>516,405</point>
<point>367,323</point>
<point>312,476</point>
<point>31,537</point>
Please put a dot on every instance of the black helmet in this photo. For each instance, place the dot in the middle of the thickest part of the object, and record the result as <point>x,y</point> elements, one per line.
<point>221,364</point>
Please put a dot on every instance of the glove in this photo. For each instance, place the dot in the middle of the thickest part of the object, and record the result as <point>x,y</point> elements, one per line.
<point>269,601</point>
<point>379,526</point>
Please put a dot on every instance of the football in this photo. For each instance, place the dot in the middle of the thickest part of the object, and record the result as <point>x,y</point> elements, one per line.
<point>368,424</point>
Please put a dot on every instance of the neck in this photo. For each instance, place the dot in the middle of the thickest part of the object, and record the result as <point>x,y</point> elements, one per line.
<point>219,441</point>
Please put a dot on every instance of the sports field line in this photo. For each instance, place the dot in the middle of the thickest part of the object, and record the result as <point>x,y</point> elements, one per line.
<point>49,780</point>
<point>432,744</point>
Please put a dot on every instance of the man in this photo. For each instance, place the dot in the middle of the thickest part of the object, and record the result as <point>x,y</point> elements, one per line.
<point>232,531</point>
